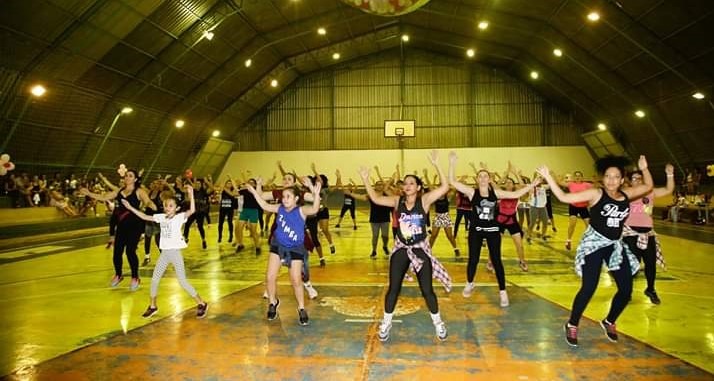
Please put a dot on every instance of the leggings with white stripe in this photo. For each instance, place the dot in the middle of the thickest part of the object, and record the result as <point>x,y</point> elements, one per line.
<point>172,256</point>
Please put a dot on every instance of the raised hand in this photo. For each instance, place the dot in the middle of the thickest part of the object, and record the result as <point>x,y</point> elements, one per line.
<point>434,157</point>
<point>364,173</point>
<point>642,163</point>
<point>543,171</point>
<point>452,157</point>
<point>669,169</point>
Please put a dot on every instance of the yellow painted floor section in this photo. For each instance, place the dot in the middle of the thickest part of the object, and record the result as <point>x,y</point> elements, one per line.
<point>55,298</point>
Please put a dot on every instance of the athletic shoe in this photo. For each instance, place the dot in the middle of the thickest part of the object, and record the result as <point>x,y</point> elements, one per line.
<point>201,310</point>
<point>265,295</point>
<point>504,298</point>
<point>146,262</point>
<point>554,229</point>
<point>441,332</point>
<point>273,310</point>
<point>571,335</point>
<point>528,240</point>
<point>567,245</point>
<point>204,244</point>
<point>386,250</point>
<point>332,249</point>
<point>116,279</point>
<point>523,265</point>
<point>134,285</point>
<point>373,255</point>
<point>311,292</point>
<point>322,262</point>
<point>150,311</point>
<point>457,253</point>
<point>355,227</point>
<point>257,251</point>
<point>337,226</point>
<point>110,243</point>
<point>302,317</point>
<point>384,329</point>
<point>239,248</point>
<point>468,290</point>
<point>219,240</point>
<point>610,330</point>
<point>653,296</point>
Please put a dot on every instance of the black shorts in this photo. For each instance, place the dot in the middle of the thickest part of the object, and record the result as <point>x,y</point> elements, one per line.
<point>323,214</point>
<point>580,212</point>
<point>512,228</point>
<point>295,255</point>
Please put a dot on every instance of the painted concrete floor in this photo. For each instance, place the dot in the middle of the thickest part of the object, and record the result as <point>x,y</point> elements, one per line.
<point>61,321</point>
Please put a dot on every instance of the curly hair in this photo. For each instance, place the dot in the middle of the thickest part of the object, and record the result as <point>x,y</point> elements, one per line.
<point>610,161</point>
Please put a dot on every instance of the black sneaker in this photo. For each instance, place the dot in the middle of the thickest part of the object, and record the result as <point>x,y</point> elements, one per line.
<point>610,330</point>
<point>457,253</point>
<point>355,228</point>
<point>257,251</point>
<point>302,315</point>
<point>337,226</point>
<point>146,262</point>
<point>239,248</point>
<point>332,250</point>
<point>201,310</point>
<point>653,296</point>
<point>386,250</point>
<point>150,312</point>
<point>373,255</point>
<point>571,335</point>
<point>273,310</point>
<point>322,262</point>
<point>204,244</point>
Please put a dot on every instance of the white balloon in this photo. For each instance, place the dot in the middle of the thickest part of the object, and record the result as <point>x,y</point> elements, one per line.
<point>5,158</point>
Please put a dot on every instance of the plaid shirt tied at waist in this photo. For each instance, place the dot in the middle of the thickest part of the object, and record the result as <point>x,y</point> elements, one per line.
<point>438,270</point>
<point>593,241</point>
<point>643,240</point>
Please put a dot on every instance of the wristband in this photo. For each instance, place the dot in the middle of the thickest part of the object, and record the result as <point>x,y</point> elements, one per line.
<point>670,175</point>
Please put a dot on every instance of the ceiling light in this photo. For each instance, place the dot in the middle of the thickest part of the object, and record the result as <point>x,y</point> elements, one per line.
<point>640,114</point>
<point>321,31</point>
<point>593,16</point>
<point>248,62</point>
<point>470,52</point>
<point>602,126</point>
<point>698,95</point>
<point>557,52</point>
<point>127,110</point>
<point>274,83</point>
<point>208,35</point>
<point>405,37</point>
<point>335,56</point>
<point>216,133</point>
<point>534,74</point>
<point>38,90</point>
<point>179,123</point>
<point>483,25</point>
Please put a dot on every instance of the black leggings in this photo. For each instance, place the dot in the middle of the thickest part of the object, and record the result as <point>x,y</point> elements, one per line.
<point>127,238</point>
<point>260,219</point>
<point>198,218</point>
<point>591,276</point>
<point>223,214</point>
<point>147,243</point>
<point>311,225</point>
<point>466,215</point>
<point>493,240</point>
<point>398,266</point>
<point>345,208</point>
<point>648,256</point>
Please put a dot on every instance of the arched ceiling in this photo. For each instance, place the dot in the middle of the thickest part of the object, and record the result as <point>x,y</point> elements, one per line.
<point>153,55</point>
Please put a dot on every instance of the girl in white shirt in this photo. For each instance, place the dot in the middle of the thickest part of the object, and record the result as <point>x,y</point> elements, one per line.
<point>171,243</point>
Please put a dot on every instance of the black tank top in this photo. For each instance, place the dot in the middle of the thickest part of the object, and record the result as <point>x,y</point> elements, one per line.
<point>485,209</point>
<point>227,200</point>
<point>412,223</point>
<point>159,203</point>
<point>608,215</point>
<point>442,205</point>
<point>125,216</point>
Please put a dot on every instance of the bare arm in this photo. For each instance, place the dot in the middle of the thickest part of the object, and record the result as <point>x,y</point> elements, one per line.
<point>107,183</point>
<point>435,194</point>
<point>138,212</point>
<point>390,201</point>
<point>669,188</point>
<point>192,201</point>
<point>315,190</point>
<point>590,195</point>
<point>101,197</point>
<point>272,208</point>
<point>642,189</point>
<point>144,197</point>
<point>500,193</point>
<point>461,187</point>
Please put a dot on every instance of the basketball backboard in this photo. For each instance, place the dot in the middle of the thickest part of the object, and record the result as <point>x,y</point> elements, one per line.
<point>398,128</point>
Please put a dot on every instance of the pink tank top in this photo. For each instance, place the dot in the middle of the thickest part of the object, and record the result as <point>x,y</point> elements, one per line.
<point>574,187</point>
<point>641,212</point>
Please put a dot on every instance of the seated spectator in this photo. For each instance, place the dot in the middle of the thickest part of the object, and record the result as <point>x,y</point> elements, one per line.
<point>679,202</point>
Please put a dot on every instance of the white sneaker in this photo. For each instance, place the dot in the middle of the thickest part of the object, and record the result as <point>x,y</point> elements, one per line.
<point>384,329</point>
<point>504,298</point>
<point>441,333</point>
<point>468,290</point>
<point>311,292</point>
<point>265,294</point>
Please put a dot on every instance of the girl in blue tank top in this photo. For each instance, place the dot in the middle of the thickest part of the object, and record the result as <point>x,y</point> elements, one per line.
<point>287,247</point>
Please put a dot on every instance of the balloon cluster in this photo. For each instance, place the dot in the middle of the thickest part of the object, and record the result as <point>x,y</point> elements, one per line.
<point>5,164</point>
<point>122,170</point>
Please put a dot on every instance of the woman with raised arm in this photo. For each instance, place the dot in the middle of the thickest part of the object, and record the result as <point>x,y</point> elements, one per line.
<point>129,226</point>
<point>484,200</point>
<point>411,247</point>
<point>287,246</point>
<point>639,234</point>
<point>602,242</point>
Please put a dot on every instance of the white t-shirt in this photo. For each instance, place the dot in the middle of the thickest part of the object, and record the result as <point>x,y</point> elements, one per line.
<point>538,197</point>
<point>171,237</point>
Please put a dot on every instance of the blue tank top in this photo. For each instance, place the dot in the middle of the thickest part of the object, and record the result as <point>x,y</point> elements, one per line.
<point>290,228</point>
